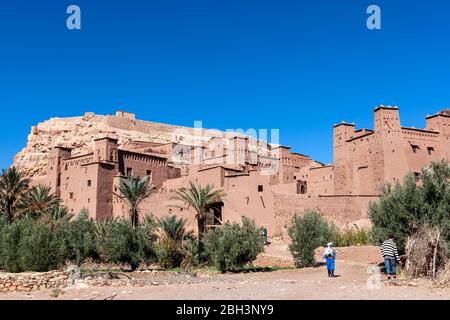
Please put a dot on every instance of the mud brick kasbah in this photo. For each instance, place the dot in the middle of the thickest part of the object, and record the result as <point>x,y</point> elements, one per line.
<point>266,182</point>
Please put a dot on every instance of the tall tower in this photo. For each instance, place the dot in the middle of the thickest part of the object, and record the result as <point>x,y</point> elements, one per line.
<point>391,144</point>
<point>440,122</point>
<point>106,150</point>
<point>343,174</point>
<point>54,167</point>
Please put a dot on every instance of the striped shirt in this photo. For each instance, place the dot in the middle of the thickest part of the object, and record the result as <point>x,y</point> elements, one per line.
<point>389,250</point>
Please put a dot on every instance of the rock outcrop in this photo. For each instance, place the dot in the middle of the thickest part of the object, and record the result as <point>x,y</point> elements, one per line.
<point>79,133</point>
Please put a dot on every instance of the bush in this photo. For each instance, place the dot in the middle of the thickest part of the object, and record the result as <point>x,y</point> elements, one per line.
<point>79,238</point>
<point>192,254</point>
<point>307,233</point>
<point>404,208</point>
<point>124,244</point>
<point>28,245</point>
<point>120,244</point>
<point>9,250</point>
<point>231,246</point>
<point>40,248</point>
<point>353,237</point>
<point>147,239</point>
<point>172,234</point>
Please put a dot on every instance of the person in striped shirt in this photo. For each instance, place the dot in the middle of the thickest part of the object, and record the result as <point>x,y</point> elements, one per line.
<point>390,256</point>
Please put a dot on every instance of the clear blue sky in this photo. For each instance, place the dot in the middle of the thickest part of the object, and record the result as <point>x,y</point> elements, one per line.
<point>299,66</point>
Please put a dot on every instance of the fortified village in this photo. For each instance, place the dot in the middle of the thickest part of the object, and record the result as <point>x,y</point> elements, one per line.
<point>84,158</point>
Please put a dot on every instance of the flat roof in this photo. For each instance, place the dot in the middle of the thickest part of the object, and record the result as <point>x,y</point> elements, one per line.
<point>79,156</point>
<point>438,115</point>
<point>143,154</point>
<point>361,136</point>
<point>344,124</point>
<point>386,108</point>
<point>220,166</point>
<point>327,166</point>
<point>420,130</point>
<point>301,154</point>
<point>107,138</point>
<point>61,147</point>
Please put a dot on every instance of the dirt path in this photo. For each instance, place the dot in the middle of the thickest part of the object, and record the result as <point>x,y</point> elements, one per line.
<point>355,280</point>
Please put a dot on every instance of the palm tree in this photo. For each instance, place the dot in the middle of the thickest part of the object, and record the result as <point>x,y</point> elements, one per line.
<point>134,191</point>
<point>13,187</point>
<point>172,234</point>
<point>39,201</point>
<point>59,213</point>
<point>201,200</point>
<point>173,228</point>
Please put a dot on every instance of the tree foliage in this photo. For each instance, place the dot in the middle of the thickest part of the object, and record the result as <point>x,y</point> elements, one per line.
<point>231,246</point>
<point>13,187</point>
<point>404,208</point>
<point>201,199</point>
<point>134,191</point>
<point>307,233</point>
<point>172,235</point>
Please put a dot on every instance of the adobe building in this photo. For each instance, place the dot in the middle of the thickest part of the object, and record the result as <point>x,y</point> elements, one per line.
<point>266,182</point>
<point>365,159</point>
<point>87,181</point>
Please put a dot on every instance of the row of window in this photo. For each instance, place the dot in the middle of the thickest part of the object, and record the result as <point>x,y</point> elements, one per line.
<point>416,148</point>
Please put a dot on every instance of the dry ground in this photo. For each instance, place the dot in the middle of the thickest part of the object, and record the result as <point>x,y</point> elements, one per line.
<point>352,268</point>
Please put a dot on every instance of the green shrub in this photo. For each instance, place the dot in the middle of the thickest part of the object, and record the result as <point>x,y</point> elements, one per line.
<point>3,221</point>
<point>307,233</point>
<point>172,234</point>
<point>9,250</point>
<point>192,254</point>
<point>404,208</point>
<point>79,238</point>
<point>28,245</point>
<point>40,248</point>
<point>231,246</point>
<point>147,240</point>
<point>353,237</point>
<point>122,243</point>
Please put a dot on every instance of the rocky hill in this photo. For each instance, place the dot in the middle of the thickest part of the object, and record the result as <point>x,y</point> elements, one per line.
<point>80,132</point>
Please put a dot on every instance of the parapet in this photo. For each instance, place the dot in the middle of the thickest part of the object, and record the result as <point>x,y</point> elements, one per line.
<point>124,114</point>
<point>343,123</point>
<point>383,107</point>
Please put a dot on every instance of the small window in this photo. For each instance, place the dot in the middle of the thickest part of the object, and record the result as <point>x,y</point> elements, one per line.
<point>260,188</point>
<point>430,150</point>
<point>149,173</point>
<point>65,167</point>
<point>129,172</point>
<point>417,175</point>
<point>71,195</point>
<point>415,148</point>
<point>89,183</point>
<point>89,200</point>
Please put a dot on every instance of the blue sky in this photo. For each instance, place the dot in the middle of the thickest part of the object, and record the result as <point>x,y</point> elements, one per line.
<point>298,66</point>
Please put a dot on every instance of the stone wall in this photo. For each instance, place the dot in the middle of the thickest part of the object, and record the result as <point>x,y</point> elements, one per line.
<point>27,282</point>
